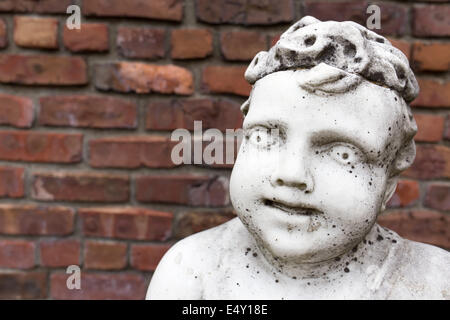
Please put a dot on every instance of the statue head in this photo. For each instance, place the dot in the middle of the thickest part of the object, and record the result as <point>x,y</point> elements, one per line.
<point>327,131</point>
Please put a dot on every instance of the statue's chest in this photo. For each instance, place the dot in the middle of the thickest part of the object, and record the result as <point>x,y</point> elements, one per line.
<point>244,280</point>
<point>247,283</point>
<point>244,274</point>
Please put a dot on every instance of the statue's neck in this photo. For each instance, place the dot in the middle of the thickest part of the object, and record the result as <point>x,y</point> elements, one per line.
<point>355,259</point>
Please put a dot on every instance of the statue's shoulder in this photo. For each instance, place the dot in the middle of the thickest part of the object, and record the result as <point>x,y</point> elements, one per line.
<point>429,257</point>
<point>180,272</point>
<point>423,271</point>
<point>209,244</point>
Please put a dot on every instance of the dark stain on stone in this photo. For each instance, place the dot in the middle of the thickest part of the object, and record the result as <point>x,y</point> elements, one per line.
<point>310,41</point>
<point>292,55</point>
<point>327,54</point>
<point>350,49</point>
<point>377,77</point>
<point>399,72</point>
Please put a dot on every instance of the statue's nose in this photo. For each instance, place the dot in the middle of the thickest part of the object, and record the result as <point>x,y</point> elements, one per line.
<point>293,171</point>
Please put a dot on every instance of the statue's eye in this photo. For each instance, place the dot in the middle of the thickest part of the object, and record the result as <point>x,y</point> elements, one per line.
<point>345,154</point>
<point>262,136</point>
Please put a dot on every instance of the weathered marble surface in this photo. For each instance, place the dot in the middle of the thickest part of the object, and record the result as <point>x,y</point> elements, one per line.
<point>325,140</point>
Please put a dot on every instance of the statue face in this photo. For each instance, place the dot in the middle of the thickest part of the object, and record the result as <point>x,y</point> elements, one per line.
<point>314,189</point>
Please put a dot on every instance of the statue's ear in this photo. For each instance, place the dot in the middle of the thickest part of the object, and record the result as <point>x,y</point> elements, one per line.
<point>391,185</point>
<point>245,106</point>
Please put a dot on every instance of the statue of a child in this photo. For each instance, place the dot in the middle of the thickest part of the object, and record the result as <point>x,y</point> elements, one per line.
<point>327,132</point>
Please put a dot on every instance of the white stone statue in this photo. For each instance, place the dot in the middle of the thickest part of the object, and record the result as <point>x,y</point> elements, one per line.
<point>327,131</point>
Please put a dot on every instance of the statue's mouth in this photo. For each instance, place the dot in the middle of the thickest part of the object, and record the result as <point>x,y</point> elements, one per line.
<point>300,209</point>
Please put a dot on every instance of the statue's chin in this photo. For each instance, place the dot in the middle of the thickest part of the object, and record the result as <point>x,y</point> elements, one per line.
<point>295,253</point>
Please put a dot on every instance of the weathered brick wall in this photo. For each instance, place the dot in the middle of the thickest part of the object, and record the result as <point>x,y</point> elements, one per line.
<point>85,120</point>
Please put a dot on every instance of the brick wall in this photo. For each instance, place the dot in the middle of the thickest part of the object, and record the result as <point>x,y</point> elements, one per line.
<point>85,120</point>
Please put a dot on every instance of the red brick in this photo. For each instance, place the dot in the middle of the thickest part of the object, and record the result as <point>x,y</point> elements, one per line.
<point>191,43</point>
<point>60,253</point>
<point>40,146</point>
<point>34,220</point>
<point>131,152</point>
<point>430,127</point>
<point>142,43</point>
<point>431,20</point>
<point>433,93</point>
<point>187,190</point>
<point>98,286</point>
<point>11,182</point>
<point>438,197</point>
<point>242,45</point>
<point>144,78</point>
<point>103,255</point>
<point>91,37</point>
<point>193,222</point>
<point>41,6</point>
<point>146,257</point>
<point>420,225</point>
<point>88,187</point>
<point>170,115</point>
<point>42,70</point>
<point>17,254</point>
<point>433,56</point>
<point>406,194</point>
<point>153,9</point>
<point>35,32</point>
<point>218,154</point>
<point>221,79</point>
<point>221,153</point>
<point>246,12</point>
<point>432,161</point>
<point>3,34</point>
<point>16,111</point>
<point>447,131</point>
<point>23,285</point>
<point>126,223</point>
<point>403,46</point>
<point>394,17</point>
<point>88,111</point>
<point>337,11</point>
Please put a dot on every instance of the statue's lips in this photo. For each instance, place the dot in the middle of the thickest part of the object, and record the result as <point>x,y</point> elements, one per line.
<point>293,210</point>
